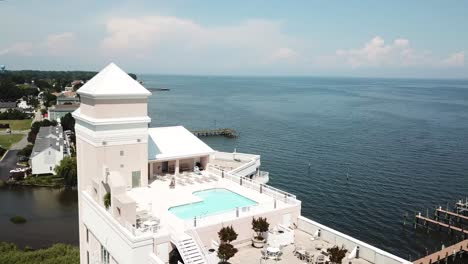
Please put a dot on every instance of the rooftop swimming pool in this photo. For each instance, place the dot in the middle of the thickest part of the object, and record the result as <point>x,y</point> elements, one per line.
<point>215,201</point>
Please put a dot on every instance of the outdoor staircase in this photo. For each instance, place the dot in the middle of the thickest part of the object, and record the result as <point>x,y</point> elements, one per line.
<point>188,249</point>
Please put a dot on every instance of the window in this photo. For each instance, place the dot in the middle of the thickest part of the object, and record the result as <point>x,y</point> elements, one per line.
<point>121,165</point>
<point>87,257</point>
<point>104,255</point>
<point>121,153</point>
<point>87,235</point>
<point>136,177</point>
<point>50,168</point>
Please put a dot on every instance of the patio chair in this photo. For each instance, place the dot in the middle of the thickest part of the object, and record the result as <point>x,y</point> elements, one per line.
<point>172,184</point>
<point>320,259</point>
<point>278,256</point>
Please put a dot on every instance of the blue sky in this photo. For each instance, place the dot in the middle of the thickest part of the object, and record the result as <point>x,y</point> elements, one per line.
<point>315,38</point>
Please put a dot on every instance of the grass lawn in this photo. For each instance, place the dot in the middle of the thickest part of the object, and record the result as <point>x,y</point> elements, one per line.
<point>24,124</point>
<point>44,180</point>
<point>7,140</point>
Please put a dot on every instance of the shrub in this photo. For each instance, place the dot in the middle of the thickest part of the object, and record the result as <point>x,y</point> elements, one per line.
<point>107,200</point>
<point>260,225</point>
<point>337,254</point>
<point>2,151</point>
<point>26,151</point>
<point>18,220</point>
<point>227,234</point>
<point>13,114</point>
<point>56,254</point>
<point>225,252</point>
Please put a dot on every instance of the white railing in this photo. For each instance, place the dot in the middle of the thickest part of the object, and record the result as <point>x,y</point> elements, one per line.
<point>366,251</point>
<point>231,214</point>
<point>155,259</point>
<point>273,192</point>
<point>235,156</point>
<point>252,162</point>
<point>194,234</point>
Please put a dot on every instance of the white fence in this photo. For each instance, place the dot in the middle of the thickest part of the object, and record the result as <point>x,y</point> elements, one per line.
<point>366,251</point>
<point>231,214</point>
<point>273,192</point>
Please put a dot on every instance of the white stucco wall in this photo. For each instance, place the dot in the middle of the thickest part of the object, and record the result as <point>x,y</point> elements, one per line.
<point>45,162</point>
<point>366,251</point>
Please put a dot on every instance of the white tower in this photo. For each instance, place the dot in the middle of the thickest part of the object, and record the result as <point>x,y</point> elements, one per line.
<point>111,140</point>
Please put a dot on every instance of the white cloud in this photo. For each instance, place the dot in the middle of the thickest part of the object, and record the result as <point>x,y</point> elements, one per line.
<point>399,53</point>
<point>284,54</point>
<point>60,44</point>
<point>183,41</point>
<point>455,60</point>
<point>377,53</point>
<point>20,48</point>
<point>54,44</point>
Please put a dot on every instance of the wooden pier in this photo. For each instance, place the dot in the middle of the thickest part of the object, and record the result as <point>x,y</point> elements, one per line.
<point>427,220</point>
<point>448,213</point>
<point>226,132</point>
<point>444,253</point>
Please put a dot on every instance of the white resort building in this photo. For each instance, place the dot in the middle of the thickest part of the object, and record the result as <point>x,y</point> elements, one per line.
<point>170,192</point>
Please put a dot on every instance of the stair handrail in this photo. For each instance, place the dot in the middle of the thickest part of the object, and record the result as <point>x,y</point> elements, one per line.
<point>194,234</point>
<point>177,241</point>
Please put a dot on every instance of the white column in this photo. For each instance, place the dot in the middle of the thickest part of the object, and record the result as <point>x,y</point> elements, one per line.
<point>151,170</point>
<point>177,167</point>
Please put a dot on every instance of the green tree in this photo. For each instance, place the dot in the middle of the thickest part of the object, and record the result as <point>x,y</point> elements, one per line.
<point>260,225</point>
<point>32,101</point>
<point>26,151</point>
<point>68,122</point>
<point>67,170</point>
<point>227,234</point>
<point>9,90</point>
<point>225,252</point>
<point>337,254</point>
<point>49,99</point>
<point>43,84</point>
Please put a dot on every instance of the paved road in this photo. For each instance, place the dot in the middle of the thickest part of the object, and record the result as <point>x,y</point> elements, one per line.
<point>8,163</point>
<point>38,115</point>
<point>24,132</point>
<point>20,144</point>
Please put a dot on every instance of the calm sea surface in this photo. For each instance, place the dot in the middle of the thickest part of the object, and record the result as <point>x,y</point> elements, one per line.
<point>403,143</point>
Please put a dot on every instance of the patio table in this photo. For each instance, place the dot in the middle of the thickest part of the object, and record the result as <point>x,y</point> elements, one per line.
<point>272,252</point>
<point>150,223</point>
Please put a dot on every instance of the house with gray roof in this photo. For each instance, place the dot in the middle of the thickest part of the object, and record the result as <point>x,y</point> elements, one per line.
<point>49,149</point>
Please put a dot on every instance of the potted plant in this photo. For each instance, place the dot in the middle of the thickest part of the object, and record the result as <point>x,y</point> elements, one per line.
<point>225,252</point>
<point>107,200</point>
<point>259,225</point>
<point>227,234</point>
<point>336,254</point>
<point>225,249</point>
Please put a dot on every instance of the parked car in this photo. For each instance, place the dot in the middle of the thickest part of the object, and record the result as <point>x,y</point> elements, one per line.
<point>23,159</point>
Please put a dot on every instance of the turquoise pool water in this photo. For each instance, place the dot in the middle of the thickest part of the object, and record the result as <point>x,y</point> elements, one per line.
<point>214,201</point>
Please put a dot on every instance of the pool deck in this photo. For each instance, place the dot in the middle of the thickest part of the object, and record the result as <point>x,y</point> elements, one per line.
<point>248,254</point>
<point>151,198</point>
